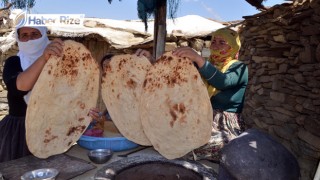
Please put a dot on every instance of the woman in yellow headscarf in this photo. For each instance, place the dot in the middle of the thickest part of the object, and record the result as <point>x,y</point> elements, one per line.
<point>226,79</point>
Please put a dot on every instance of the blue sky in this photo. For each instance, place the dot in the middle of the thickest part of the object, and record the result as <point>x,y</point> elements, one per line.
<point>221,10</point>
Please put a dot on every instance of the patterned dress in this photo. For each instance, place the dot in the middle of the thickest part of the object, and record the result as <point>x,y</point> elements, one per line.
<point>226,126</point>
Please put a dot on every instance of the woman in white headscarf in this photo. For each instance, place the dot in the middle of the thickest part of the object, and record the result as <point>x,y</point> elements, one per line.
<point>20,73</point>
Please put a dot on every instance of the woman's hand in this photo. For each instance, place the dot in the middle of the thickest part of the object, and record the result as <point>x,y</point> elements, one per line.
<point>95,113</point>
<point>147,54</point>
<point>54,48</point>
<point>187,52</point>
<point>27,79</point>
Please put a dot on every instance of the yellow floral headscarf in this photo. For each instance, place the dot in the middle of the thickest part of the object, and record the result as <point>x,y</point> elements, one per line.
<point>222,60</point>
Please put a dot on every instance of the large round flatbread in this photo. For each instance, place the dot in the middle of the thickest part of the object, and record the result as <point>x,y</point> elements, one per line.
<point>121,88</point>
<point>57,112</point>
<point>176,112</point>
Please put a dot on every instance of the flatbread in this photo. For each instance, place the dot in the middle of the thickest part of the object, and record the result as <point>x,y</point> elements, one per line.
<point>175,108</point>
<point>57,112</point>
<point>121,88</point>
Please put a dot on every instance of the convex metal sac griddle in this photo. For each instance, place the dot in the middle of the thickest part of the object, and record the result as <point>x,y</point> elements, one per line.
<point>154,167</point>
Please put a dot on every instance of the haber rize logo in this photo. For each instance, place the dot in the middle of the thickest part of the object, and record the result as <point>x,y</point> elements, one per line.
<point>20,19</point>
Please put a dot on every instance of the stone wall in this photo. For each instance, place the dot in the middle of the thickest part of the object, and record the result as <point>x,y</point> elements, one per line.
<point>282,49</point>
<point>5,27</point>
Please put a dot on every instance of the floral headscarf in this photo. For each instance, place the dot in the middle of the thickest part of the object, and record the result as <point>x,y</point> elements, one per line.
<point>221,58</point>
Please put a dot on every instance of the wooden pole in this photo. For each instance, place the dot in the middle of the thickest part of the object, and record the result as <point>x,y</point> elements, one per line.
<point>160,28</point>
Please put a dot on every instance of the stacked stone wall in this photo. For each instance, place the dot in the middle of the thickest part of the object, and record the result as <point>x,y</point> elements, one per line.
<point>282,50</point>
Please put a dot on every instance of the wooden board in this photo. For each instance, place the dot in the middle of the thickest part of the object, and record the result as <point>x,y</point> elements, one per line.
<point>68,166</point>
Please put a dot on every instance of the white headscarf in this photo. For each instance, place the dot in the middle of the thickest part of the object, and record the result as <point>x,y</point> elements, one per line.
<point>31,50</point>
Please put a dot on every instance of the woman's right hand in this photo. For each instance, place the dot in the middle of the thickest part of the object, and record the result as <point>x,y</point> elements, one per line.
<point>142,52</point>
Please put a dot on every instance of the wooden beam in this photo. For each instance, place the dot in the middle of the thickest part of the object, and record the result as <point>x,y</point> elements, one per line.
<point>160,28</point>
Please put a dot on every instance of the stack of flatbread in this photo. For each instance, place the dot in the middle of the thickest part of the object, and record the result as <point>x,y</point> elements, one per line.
<point>165,105</point>
<point>66,89</point>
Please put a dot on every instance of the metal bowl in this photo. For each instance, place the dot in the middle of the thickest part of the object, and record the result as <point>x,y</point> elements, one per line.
<point>100,156</point>
<point>41,174</point>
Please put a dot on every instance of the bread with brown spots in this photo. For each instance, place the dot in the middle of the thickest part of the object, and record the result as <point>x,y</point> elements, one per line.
<point>175,108</point>
<point>121,89</point>
<point>66,89</point>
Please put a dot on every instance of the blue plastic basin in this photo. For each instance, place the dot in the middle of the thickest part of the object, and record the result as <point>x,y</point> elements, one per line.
<point>113,143</point>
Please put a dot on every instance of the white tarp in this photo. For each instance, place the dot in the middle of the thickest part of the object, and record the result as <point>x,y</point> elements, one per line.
<point>6,42</point>
<point>123,33</point>
<point>189,26</point>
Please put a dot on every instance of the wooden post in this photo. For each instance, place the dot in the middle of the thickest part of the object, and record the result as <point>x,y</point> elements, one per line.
<point>160,28</point>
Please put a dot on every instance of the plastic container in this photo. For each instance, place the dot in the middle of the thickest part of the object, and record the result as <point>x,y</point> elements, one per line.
<point>113,143</point>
